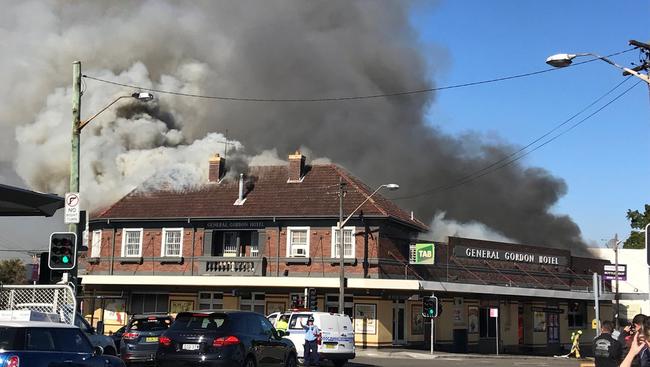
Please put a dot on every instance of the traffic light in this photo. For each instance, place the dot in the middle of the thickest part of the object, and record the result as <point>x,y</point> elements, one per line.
<point>313,299</point>
<point>63,251</point>
<point>430,307</point>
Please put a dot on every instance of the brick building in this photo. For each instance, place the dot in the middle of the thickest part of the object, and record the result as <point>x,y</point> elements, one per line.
<point>257,241</point>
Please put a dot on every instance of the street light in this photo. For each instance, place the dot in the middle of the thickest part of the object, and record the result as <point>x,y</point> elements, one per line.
<point>77,125</point>
<point>564,60</point>
<point>341,244</point>
<point>615,245</point>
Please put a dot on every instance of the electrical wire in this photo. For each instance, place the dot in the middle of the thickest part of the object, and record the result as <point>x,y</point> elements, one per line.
<point>342,98</point>
<point>504,162</point>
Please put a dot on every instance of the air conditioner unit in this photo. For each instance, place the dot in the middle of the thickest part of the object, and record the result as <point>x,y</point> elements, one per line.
<point>298,252</point>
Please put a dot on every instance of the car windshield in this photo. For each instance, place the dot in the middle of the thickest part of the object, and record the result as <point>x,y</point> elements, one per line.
<point>154,324</point>
<point>198,321</point>
<point>8,338</point>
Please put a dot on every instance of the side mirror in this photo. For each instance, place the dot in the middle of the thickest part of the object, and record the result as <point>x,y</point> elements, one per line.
<point>100,327</point>
<point>98,351</point>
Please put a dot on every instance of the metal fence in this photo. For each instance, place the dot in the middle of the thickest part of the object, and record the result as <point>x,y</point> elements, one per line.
<point>56,299</point>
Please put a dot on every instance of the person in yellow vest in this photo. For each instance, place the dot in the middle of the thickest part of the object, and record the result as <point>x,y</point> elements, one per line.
<point>282,323</point>
<point>575,343</point>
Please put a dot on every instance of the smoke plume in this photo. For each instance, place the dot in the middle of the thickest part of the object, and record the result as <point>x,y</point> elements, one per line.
<point>274,49</point>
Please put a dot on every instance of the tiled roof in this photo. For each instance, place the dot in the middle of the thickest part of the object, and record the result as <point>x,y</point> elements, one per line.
<point>268,194</point>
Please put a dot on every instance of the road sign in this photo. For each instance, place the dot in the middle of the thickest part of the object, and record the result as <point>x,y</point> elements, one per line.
<point>609,272</point>
<point>494,312</point>
<point>424,253</point>
<point>72,211</point>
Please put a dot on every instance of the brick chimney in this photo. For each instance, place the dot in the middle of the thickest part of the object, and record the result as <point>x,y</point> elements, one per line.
<point>216,169</point>
<point>296,167</point>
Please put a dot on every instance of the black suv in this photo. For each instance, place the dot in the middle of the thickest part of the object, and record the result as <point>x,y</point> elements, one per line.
<point>216,338</point>
<point>140,338</point>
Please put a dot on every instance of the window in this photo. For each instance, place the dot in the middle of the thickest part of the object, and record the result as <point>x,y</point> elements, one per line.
<point>253,302</point>
<point>96,246</point>
<point>487,324</point>
<point>412,254</point>
<point>210,300</point>
<point>149,303</point>
<point>577,314</point>
<point>297,241</point>
<point>172,242</point>
<point>348,242</point>
<point>255,249</point>
<point>332,303</point>
<point>57,339</point>
<point>132,242</point>
<point>230,244</point>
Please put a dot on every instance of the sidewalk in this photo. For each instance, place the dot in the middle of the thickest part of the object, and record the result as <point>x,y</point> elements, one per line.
<point>422,354</point>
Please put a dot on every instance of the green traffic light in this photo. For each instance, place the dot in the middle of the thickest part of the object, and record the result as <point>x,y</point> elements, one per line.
<point>65,259</point>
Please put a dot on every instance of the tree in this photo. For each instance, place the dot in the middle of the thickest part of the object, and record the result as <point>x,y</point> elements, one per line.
<point>12,271</point>
<point>638,221</point>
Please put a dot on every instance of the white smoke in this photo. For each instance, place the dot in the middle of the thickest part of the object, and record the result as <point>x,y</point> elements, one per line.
<point>442,228</point>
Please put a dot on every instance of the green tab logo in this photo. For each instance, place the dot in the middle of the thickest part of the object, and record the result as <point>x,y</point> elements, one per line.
<point>424,253</point>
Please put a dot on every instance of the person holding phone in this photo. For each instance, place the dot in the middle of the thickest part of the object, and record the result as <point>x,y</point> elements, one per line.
<point>639,352</point>
<point>626,336</point>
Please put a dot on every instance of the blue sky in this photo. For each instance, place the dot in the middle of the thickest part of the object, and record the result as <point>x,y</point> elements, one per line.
<point>606,160</point>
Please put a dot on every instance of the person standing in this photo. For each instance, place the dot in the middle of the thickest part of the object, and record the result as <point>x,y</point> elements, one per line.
<point>607,350</point>
<point>642,359</point>
<point>311,347</point>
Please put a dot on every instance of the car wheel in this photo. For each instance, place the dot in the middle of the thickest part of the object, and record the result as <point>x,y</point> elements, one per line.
<point>340,362</point>
<point>292,361</point>
<point>249,362</point>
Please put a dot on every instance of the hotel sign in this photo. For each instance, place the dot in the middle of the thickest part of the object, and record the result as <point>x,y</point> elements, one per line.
<point>507,255</point>
<point>236,225</point>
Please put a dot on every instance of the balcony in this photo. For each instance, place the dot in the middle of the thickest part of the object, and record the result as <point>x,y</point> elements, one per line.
<point>217,265</point>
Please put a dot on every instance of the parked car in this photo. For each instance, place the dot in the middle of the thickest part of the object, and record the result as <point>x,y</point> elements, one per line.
<point>97,337</point>
<point>140,338</point>
<point>45,344</point>
<point>224,338</point>
<point>117,336</point>
<point>337,334</point>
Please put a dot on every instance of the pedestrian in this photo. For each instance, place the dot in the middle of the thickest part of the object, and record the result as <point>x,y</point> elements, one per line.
<point>312,333</point>
<point>626,337</point>
<point>639,346</point>
<point>607,350</point>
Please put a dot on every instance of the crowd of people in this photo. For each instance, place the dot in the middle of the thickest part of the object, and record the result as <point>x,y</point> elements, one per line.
<point>623,348</point>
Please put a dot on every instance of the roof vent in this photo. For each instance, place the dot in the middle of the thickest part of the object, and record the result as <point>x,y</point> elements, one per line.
<point>240,199</point>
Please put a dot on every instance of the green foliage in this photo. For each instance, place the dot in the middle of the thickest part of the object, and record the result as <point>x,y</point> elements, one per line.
<point>12,271</point>
<point>638,221</point>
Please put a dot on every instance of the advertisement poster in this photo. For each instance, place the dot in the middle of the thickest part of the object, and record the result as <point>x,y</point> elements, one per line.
<point>176,306</point>
<point>472,320</point>
<point>539,321</point>
<point>417,322</point>
<point>365,318</point>
<point>114,311</point>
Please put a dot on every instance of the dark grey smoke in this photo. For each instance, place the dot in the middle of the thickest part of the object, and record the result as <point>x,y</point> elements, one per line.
<point>297,49</point>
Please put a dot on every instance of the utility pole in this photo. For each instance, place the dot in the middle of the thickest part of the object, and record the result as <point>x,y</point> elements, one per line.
<point>596,303</point>
<point>616,295</point>
<point>75,144</point>
<point>341,251</point>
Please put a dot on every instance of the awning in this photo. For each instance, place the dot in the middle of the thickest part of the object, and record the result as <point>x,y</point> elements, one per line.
<point>15,201</point>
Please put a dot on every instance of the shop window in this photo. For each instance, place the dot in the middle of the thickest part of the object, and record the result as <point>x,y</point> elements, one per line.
<point>96,246</point>
<point>487,324</point>
<point>348,242</point>
<point>172,242</point>
<point>132,242</point>
<point>297,300</point>
<point>297,241</point>
<point>148,303</point>
<point>577,314</point>
<point>210,300</point>
<point>253,302</point>
<point>332,304</point>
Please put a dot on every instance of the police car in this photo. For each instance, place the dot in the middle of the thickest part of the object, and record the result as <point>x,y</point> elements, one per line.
<point>337,341</point>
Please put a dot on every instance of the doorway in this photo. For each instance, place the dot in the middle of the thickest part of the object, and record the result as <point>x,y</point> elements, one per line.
<point>399,323</point>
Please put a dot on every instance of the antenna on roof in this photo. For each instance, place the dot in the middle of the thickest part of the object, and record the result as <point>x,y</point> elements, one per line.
<point>225,145</point>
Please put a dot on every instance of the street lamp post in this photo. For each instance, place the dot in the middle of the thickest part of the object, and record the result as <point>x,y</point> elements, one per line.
<point>615,244</point>
<point>77,125</point>
<point>564,60</point>
<point>341,244</point>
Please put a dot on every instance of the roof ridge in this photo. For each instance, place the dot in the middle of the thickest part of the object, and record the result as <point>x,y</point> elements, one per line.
<point>348,178</point>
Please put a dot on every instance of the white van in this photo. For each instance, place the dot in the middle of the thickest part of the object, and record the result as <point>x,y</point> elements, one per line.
<point>337,334</point>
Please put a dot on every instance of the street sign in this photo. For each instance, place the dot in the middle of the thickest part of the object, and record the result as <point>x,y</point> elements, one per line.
<point>494,312</point>
<point>609,272</point>
<point>72,211</point>
<point>424,253</point>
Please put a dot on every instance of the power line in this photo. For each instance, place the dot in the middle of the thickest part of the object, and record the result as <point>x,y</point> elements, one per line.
<point>504,162</point>
<point>342,98</point>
